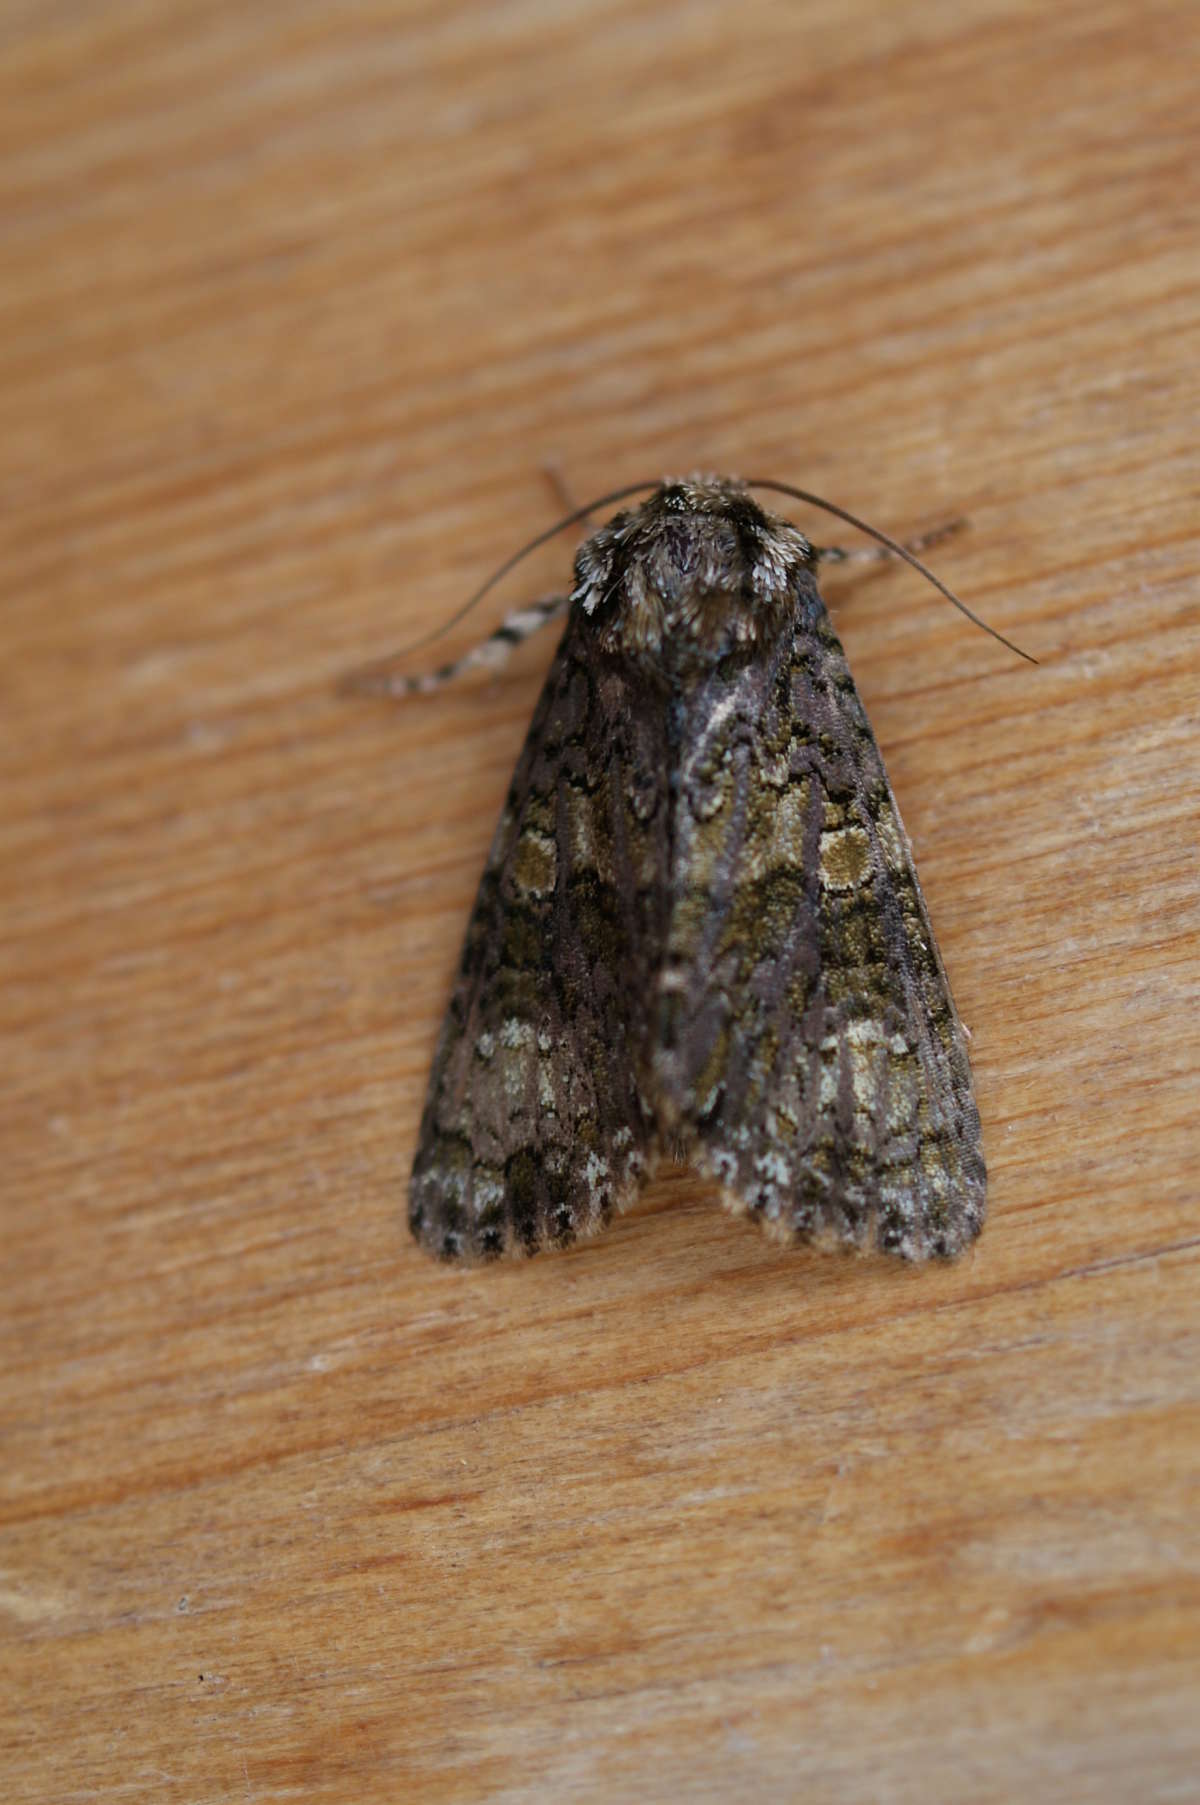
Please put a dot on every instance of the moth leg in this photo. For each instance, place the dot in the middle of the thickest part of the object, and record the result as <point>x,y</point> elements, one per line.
<point>875,554</point>
<point>491,654</point>
<point>561,490</point>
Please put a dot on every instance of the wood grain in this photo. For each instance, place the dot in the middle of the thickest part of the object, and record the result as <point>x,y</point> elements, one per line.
<point>298,301</point>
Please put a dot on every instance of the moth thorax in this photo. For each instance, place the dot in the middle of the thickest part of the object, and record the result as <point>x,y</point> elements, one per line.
<point>668,582</point>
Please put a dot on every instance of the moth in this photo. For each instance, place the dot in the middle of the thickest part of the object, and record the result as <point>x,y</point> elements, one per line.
<point>699,935</point>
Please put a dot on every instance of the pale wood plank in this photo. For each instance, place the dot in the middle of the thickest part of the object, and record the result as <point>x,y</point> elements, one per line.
<point>297,301</point>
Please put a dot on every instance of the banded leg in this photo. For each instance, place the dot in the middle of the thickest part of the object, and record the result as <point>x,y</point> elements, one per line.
<point>490,654</point>
<point>877,554</point>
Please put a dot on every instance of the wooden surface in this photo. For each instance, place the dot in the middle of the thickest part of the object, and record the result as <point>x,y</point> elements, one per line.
<point>297,302</point>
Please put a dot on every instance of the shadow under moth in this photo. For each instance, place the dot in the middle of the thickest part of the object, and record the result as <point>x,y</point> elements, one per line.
<point>699,935</point>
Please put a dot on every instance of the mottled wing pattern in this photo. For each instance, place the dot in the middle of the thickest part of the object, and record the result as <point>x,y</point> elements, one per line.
<point>533,1131</point>
<point>808,1047</point>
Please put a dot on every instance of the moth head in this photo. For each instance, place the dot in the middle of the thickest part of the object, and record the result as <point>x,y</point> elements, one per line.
<point>697,568</point>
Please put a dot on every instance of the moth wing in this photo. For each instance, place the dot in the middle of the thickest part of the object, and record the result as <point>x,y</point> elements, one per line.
<point>534,1131</point>
<point>827,1085</point>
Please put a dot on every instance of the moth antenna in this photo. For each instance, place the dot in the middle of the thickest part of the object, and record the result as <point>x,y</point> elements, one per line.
<point>893,545</point>
<point>377,679</point>
<point>531,545</point>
